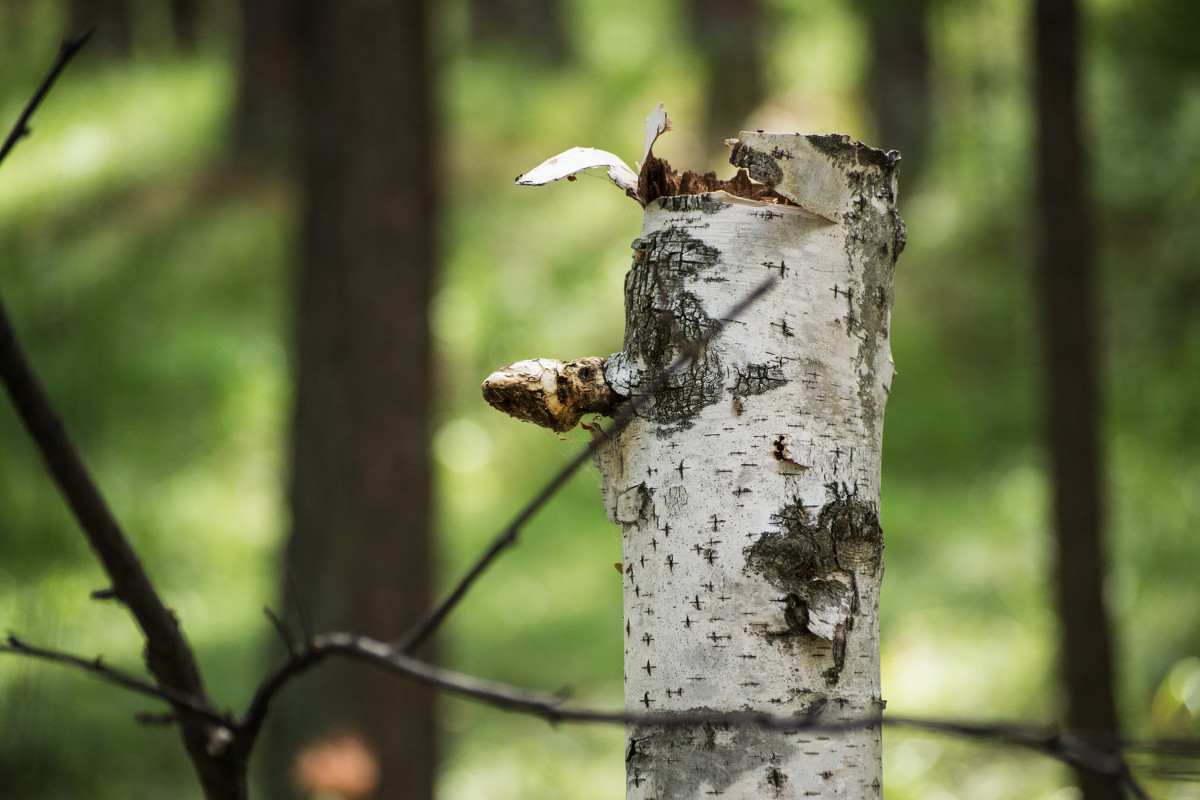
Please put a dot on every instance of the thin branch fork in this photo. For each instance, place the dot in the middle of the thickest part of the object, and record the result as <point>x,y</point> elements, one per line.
<point>168,656</point>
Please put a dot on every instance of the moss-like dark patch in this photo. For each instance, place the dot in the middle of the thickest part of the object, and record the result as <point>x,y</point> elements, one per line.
<point>877,236</point>
<point>762,166</point>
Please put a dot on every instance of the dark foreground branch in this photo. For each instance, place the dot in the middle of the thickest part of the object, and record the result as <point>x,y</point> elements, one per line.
<point>508,536</point>
<point>1077,750</point>
<point>1084,752</point>
<point>97,668</point>
<point>168,655</point>
<point>65,53</point>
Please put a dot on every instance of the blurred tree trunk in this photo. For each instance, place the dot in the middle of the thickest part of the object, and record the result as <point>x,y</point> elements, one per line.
<point>729,37</point>
<point>1066,274</point>
<point>898,78</point>
<point>266,121</point>
<point>185,22</point>
<point>14,14</point>
<point>114,27</point>
<point>536,27</point>
<point>359,553</point>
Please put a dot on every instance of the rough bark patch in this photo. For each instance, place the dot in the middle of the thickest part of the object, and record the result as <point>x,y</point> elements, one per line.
<point>661,318</point>
<point>847,154</point>
<point>876,239</point>
<point>765,166</point>
<point>758,379</point>
<point>814,561</point>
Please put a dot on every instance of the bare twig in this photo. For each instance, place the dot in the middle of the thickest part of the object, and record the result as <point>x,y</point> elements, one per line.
<point>513,698</point>
<point>302,612</point>
<point>1073,749</point>
<point>502,695</point>
<point>1076,750</point>
<point>65,53</point>
<point>1167,759</point>
<point>168,655</point>
<point>97,668</point>
<point>282,629</point>
<point>425,628</point>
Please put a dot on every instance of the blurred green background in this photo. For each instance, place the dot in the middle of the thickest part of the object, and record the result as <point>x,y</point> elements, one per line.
<point>149,277</point>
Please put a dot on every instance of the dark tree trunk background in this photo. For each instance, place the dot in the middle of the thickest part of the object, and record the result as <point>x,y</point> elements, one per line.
<point>537,27</point>
<point>185,22</point>
<point>14,14</point>
<point>114,27</point>
<point>898,78</point>
<point>1066,274</point>
<point>359,554</point>
<point>266,122</point>
<point>729,36</point>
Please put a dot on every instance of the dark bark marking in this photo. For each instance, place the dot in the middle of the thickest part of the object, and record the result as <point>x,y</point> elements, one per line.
<point>873,244</point>
<point>661,318</point>
<point>678,760</point>
<point>758,379</point>
<point>814,561</point>
<point>761,166</point>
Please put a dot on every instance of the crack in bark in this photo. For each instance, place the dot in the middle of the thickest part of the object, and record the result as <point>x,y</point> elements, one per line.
<point>758,379</point>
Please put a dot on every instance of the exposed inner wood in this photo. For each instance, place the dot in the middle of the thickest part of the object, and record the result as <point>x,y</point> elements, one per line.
<point>658,179</point>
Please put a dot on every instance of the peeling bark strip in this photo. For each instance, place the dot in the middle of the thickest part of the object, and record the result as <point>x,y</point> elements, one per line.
<point>748,486</point>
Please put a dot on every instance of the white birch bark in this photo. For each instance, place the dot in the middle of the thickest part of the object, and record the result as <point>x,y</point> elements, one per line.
<point>748,488</point>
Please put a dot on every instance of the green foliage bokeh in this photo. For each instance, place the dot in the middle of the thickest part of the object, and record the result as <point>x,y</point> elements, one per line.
<point>150,282</point>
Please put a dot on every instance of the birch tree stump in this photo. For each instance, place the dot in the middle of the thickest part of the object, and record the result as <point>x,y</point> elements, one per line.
<point>748,486</point>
